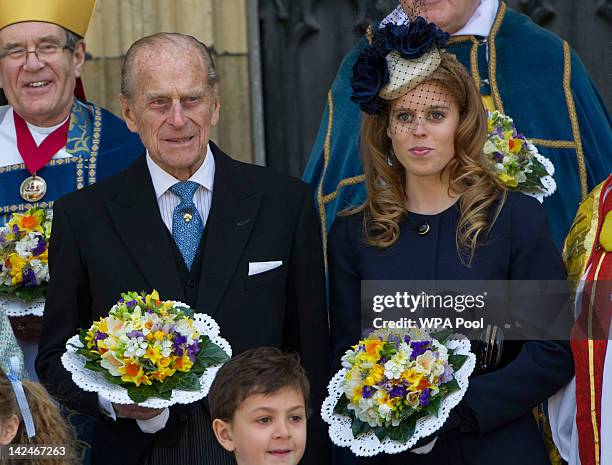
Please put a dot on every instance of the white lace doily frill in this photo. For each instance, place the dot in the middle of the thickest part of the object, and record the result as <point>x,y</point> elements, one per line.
<point>92,381</point>
<point>548,182</point>
<point>367,445</point>
<point>13,306</point>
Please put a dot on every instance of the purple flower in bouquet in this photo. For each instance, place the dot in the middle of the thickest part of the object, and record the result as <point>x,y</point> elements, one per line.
<point>398,390</point>
<point>447,375</point>
<point>29,278</point>
<point>131,303</point>
<point>424,397</point>
<point>367,392</point>
<point>177,342</point>
<point>418,348</point>
<point>100,335</point>
<point>135,333</point>
<point>16,230</point>
<point>192,351</point>
<point>40,247</point>
<point>498,157</point>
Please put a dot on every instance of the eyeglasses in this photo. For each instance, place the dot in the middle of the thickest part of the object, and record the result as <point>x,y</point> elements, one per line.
<point>43,52</point>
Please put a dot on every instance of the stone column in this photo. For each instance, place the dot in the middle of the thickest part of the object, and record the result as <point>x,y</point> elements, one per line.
<point>220,24</point>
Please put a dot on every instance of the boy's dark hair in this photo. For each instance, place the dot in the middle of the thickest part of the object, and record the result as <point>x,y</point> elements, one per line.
<point>265,370</point>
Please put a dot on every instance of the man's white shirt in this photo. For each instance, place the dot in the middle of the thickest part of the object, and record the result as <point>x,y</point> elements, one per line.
<point>167,201</point>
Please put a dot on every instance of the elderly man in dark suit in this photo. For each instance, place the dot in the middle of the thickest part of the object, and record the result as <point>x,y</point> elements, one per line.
<point>236,241</point>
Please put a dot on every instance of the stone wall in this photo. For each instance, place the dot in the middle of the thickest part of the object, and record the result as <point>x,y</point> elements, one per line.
<point>220,24</point>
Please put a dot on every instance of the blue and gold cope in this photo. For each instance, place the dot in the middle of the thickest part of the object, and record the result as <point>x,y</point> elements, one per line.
<point>99,144</point>
<point>522,70</point>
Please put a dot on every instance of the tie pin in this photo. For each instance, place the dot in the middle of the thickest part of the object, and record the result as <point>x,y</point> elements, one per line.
<point>187,217</point>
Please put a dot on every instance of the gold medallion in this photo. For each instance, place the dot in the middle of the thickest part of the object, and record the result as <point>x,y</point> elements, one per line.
<point>33,189</point>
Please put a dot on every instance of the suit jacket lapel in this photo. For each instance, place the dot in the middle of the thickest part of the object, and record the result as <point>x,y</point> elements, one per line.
<point>135,214</point>
<point>233,213</point>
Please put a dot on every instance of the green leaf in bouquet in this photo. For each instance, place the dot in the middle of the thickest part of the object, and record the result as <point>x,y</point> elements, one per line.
<point>538,168</point>
<point>442,336</point>
<point>209,355</point>
<point>6,289</point>
<point>141,393</point>
<point>82,336</point>
<point>94,366</point>
<point>113,379</point>
<point>185,311</point>
<point>341,405</point>
<point>25,294</point>
<point>165,394</point>
<point>406,413</point>
<point>451,386</point>
<point>170,382</point>
<point>381,433</point>
<point>87,353</point>
<point>359,427</point>
<point>188,382</point>
<point>30,294</point>
<point>434,406</point>
<point>403,432</point>
<point>457,361</point>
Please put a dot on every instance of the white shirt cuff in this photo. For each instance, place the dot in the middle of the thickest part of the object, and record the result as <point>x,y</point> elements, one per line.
<point>426,449</point>
<point>106,407</point>
<point>150,426</point>
<point>153,425</point>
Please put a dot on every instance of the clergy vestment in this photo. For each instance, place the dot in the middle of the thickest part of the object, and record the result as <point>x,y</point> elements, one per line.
<point>99,145</point>
<point>581,413</point>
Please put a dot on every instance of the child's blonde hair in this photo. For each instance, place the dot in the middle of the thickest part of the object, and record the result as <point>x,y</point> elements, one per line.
<point>51,428</point>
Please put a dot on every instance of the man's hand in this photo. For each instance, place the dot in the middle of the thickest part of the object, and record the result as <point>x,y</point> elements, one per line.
<point>135,412</point>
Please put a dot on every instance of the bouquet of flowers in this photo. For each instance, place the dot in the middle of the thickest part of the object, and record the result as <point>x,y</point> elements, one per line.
<point>395,388</point>
<point>24,262</point>
<point>149,349</point>
<point>515,160</point>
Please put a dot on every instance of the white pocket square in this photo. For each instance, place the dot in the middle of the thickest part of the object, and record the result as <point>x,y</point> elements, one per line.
<point>260,267</point>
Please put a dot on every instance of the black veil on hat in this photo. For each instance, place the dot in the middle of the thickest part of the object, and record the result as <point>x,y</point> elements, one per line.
<point>399,58</point>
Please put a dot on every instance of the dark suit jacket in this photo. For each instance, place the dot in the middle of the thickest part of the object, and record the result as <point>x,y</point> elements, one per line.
<point>110,238</point>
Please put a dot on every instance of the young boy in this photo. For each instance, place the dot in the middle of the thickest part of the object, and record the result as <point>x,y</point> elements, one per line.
<point>259,404</point>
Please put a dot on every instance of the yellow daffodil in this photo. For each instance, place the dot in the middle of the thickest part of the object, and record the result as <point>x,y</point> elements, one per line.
<point>153,353</point>
<point>183,363</point>
<point>17,264</point>
<point>412,377</point>
<point>162,374</point>
<point>515,145</point>
<point>508,180</point>
<point>375,376</point>
<point>165,361</point>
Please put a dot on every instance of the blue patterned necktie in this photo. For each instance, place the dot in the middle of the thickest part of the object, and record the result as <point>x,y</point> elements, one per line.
<point>187,224</point>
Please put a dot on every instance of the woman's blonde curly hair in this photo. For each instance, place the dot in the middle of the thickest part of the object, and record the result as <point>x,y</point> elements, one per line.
<point>481,194</point>
<point>51,428</point>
